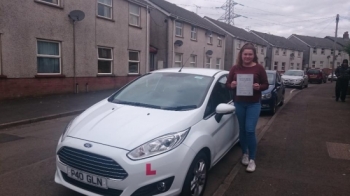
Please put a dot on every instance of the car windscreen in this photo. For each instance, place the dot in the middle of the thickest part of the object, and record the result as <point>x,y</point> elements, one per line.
<point>313,71</point>
<point>293,73</point>
<point>169,91</point>
<point>271,78</point>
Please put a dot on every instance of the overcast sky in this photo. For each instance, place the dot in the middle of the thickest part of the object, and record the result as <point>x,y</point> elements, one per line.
<point>283,18</point>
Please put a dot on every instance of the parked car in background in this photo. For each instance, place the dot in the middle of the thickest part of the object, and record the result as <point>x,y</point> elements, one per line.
<point>295,78</point>
<point>274,95</point>
<point>316,75</point>
<point>334,77</point>
<point>158,135</point>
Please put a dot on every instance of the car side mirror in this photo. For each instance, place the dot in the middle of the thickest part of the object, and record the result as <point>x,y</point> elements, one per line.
<point>223,109</point>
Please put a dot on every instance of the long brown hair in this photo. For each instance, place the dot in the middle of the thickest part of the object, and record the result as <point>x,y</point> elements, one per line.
<point>247,46</point>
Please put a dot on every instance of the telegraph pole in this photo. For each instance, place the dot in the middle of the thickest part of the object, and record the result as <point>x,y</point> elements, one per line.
<point>334,44</point>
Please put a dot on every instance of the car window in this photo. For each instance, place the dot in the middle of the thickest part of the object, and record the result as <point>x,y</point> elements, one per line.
<point>278,78</point>
<point>220,94</point>
<point>271,78</point>
<point>171,91</point>
<point>294,73</point>
<point>313,71</point>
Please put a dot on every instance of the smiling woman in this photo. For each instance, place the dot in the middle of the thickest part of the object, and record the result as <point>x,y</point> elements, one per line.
<point>170,91</point>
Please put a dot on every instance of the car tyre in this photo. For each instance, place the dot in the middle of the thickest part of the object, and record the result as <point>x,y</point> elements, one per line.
<point>282,101</point>
<point>196,178</point>
<point>274,109</point>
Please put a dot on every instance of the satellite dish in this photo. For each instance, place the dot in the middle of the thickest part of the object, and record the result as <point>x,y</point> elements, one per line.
<point>178,43</point>
<point>76,15</point>
<point>209,52</point>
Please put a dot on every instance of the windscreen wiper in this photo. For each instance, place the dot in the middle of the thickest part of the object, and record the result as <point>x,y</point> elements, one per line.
<point>137,104</point>
<point>181,108</point>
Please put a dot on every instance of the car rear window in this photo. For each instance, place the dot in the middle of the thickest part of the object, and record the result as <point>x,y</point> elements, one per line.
<point>314,71</point>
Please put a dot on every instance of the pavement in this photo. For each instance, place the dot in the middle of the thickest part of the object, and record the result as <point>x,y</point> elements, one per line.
<point>306,150</point>
<point>33,109</point>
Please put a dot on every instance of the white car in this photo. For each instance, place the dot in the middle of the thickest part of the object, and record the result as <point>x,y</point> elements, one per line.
<point>158,135</point>
<point>295,78</point>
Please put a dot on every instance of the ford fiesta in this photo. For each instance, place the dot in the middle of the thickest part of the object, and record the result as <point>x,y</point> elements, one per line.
<point>158,135</point>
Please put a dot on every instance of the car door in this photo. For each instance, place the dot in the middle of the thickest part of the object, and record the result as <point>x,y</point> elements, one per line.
<point>223,133</point>
<point>279,88</point>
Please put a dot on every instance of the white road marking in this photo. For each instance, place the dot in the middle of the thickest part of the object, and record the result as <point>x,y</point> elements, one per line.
<point>292,91</point>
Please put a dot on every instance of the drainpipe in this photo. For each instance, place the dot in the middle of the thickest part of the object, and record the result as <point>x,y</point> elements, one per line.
<point>1,71</point>
<point>147,41</point>
<point>74,72</point>
<point>174,33</point>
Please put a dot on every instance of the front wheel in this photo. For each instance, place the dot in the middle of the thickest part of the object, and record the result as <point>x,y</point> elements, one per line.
<point>196,178</point>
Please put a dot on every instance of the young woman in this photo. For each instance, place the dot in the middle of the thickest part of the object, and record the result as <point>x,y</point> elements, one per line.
<point>248,107</point>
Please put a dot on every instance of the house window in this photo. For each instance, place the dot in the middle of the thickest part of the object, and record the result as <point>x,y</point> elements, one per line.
<point>134,15</point>
<point>218,63</point>
<point>210,38</point>
<point>283,66</point>
<point>292,66</point>
<point>134,62</point>
<point>178,60</point>
<point>299,54</point>
<point>48,57</point>
<point>322,51</point>
<point>179,27</point>
<point>321,64</point>
<point>262,50</point>
<point>105,60</point>
<point>313,63</point>
<point>332,51</point>
<point>315,50</point>
<point>339,54</point>
<point>298,65</point>
<point>55,2</point>
<point>219,42</point>
<point>104,8</point>
<point>284,52</point>
<point>207,62</point>
<point>277,51</point>
<point>331,63</point>
<point>193,33</point>
<point>238,45</point>
<point>275,66</point>
<point>193,61</point>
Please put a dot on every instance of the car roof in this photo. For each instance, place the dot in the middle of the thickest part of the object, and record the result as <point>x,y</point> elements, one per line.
<point>271,71</point>
<point>188,70</point>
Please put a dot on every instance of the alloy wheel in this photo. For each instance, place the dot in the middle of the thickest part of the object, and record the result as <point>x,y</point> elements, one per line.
<point>199,178</point>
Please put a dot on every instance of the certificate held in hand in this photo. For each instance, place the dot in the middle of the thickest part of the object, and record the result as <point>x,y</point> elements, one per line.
<point>244,85</point>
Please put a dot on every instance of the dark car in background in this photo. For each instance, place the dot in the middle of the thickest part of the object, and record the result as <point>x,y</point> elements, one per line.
<point>316,75</point>
<point>274,95</point>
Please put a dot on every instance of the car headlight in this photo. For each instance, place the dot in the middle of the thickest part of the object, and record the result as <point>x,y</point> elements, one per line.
<point>158,146</point>
<point>64,134</point>
<point>266,96</point>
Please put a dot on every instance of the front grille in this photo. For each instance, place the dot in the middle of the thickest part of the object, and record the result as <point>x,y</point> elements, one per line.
<point>106,192</point>
<point>91,163</point>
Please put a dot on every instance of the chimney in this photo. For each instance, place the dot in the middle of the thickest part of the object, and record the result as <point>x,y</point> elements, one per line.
<point>346,35</point>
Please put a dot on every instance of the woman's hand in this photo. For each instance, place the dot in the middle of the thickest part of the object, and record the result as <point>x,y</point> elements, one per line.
<point>256,86</point>
<point>233,84</point>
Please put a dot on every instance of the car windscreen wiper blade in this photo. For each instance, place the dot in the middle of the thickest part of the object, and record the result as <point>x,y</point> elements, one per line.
<point>137,104</point>
<point>181,108</point>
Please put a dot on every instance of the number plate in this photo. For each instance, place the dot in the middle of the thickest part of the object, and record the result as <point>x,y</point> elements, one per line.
<point>87,178</point>
<point>313,76</point>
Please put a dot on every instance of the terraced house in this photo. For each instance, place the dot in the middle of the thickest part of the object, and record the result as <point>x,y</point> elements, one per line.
<point>235,39</point>
<point>41,52</point>
<point>180,37</point>
<point>285,54</point>
<point>319,52</point>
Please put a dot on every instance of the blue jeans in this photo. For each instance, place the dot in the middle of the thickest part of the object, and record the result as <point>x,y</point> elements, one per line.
<point>248,116</point>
